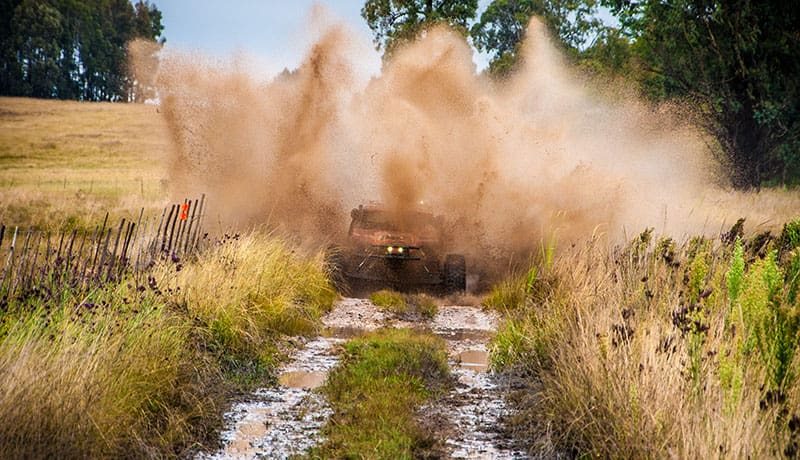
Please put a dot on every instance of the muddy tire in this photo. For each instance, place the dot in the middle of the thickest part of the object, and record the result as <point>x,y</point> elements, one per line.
<point>335,265</point>
<point>455,273</point>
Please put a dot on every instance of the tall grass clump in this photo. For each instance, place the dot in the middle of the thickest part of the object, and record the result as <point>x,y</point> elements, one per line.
<point>249,289</point>
<point>141,366</point>
<point>105,373</point>
<point>376,394</point>
<point>660,349</point>
<point>526,331</point>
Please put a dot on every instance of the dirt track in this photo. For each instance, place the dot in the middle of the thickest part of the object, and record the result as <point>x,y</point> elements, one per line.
<point>285,420</point>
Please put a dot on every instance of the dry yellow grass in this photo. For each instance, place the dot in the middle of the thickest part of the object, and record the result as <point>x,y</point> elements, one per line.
<point>65,164</point>
<point>139,367</point>
<point>658,350</point>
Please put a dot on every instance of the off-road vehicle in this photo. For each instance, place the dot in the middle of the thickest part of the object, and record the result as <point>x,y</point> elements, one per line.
<point>401,253</point>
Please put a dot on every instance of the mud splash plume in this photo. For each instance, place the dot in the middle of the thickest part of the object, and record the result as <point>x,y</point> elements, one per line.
<point>506,163</point>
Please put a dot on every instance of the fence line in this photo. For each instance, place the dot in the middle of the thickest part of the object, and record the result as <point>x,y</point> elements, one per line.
<point>31,260</point>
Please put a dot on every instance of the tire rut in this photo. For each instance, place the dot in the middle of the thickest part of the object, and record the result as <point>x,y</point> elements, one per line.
<point>286,420</point>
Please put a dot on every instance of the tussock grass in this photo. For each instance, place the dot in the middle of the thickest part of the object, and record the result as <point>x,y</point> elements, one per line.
<point>108,373</point>
<point>140,368</point>
<point>659,349</point>
<point>249,289</point>
<point>405,306</point>
<point>64,164</point>
<point>376,393</point>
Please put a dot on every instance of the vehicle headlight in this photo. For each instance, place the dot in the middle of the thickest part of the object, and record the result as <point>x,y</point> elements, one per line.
<point>400,250</point>
<point>389,249</point>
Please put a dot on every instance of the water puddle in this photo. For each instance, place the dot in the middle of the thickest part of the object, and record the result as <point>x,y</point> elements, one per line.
<point>251,427</point>
<point>474,360</point>
<point>476,406</point>
<point>302,379</point>
<point>286,420</point>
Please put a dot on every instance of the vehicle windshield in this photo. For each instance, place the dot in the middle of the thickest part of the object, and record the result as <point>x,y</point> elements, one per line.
<point>382,220</point>
<point>372,220</point>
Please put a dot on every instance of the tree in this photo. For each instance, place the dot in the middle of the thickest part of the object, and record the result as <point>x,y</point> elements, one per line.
<point>396,21</point>
<point>501,28</point>
<point>148,21</point>
<point>739,62</point>
<point>37,29</point>
<point>72,49</point>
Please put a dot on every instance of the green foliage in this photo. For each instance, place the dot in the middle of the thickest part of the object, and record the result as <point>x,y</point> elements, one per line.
<point>101,374</point>
<point>502,27</point>
<point>390,300</point>
<point>72,50</point>
<point>790,236</point>
<point>773,326</point>
<point>735,275</point>
<point>507,295</point>
<point>515,292</point>
<point>793,279</point>
<point>715,340</point>
<point>249,289</point>
<point>510,344</point>
<point>397,21</point>
<point>765,319</point>
<point>375,394</point>
<point>698,271</point>
<point>738,63</point>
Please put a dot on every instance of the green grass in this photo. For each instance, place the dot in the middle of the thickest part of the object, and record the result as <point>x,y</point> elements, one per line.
<point>100,374</point>
<point>376,393</point>
<point>686,350</point>
<point>405,306</point>
<point>251,289</point>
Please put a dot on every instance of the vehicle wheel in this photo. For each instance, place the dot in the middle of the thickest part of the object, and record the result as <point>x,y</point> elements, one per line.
<point>335,265</point>
<point>455,273</point>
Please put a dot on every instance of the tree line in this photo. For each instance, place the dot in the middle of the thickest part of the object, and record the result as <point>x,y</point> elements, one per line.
<point>72,49</point>
<point>735,63</point>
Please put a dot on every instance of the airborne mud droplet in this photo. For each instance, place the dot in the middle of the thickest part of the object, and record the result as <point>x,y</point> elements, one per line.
<point>544,153</point>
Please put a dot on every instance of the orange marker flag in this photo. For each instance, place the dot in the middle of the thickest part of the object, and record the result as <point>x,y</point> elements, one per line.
<point>184,211</point>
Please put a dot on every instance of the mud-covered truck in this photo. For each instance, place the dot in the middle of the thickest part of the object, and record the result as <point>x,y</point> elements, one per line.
<point>399,252</point>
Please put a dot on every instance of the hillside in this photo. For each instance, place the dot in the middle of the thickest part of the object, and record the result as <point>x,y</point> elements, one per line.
<point>65,163</point>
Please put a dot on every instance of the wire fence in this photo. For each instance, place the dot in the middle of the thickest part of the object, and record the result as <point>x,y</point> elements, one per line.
<point>34,259</point>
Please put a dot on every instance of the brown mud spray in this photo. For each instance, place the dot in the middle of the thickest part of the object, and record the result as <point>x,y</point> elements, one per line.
<point>543,154</point>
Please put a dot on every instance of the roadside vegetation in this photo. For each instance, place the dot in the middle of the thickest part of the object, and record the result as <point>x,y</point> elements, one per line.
<point>405,306</point>
<point>141,367</point>
<point>376,394</point>
<point>658,348</point>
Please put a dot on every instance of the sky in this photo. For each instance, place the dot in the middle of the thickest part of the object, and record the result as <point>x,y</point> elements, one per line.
<point>272,34</point>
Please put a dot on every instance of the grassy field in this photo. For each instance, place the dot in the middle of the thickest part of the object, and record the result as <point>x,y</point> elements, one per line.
<point>64,164</point>
<point>658,348</point>
<point>143,365</point>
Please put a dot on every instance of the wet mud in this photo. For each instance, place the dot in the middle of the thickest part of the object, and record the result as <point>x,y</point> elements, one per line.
<point>286,420</point>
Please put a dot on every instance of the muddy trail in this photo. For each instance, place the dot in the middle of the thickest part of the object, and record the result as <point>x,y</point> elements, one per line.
<point>286,420</point>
